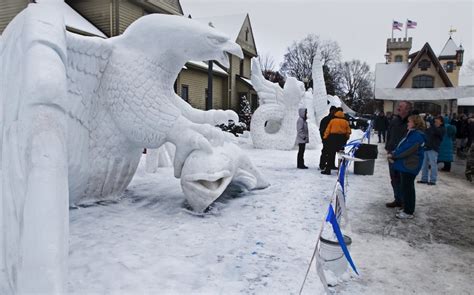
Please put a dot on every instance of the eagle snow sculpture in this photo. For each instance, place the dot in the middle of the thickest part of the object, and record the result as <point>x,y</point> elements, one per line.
<point>76,113</point>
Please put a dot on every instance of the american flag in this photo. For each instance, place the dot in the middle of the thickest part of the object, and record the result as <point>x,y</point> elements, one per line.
<point>397,25</point>
<point>411,24</point>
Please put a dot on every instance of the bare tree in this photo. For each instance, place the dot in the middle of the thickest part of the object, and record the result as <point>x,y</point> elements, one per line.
<point>353,74</point>
<point>355,83</point>
<point>298,59</point>
<point>267,63</point>
<point>468,68</point>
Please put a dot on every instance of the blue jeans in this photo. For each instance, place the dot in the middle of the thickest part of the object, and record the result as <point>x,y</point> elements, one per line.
<point>430,160</point>
<point>395,182</point>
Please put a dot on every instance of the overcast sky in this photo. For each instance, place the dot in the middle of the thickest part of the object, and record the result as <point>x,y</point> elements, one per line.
<point>360,27</point>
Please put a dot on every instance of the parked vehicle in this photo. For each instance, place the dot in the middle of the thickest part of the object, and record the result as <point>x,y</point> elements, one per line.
<point>358,122</point>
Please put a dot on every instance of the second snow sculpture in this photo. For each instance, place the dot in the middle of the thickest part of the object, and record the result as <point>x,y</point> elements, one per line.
<point>321,100</point>
<point>273,124</point>
<point>76,114</point>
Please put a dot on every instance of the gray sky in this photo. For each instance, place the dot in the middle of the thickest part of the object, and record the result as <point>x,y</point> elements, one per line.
<point>360,27</point>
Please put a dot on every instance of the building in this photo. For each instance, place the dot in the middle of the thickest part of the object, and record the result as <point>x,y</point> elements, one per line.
<point>238,84</point>
<point>430,81</point>
<point>108,18</point>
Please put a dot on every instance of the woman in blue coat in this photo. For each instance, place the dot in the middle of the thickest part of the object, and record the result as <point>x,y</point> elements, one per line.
<point>407,159</point>
<point>446,148</point>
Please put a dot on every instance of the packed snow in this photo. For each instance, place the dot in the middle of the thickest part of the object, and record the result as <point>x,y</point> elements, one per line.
<point>261,241</point>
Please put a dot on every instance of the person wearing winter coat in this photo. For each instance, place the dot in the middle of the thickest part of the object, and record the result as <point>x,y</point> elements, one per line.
<point>470,131</point>
<point>470,164</point>
<point>407,159</point>
<point>396,131</point>
<point>381,126</point>
<point>446,150</point>
<point>434,136</point>
<point>322,127</point>
<point>302,137</point>
<point>336,135</point>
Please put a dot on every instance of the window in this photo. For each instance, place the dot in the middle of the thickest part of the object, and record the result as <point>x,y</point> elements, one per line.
<point>398,58</point>
<point>423,81</point>
<point>241,67</point>
<point>185,92</point>
<point>424,64</point>
<point>247,34</point>
<point>449,67</point>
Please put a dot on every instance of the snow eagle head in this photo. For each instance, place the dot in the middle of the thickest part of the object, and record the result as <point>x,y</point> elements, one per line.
<point>179,37</point>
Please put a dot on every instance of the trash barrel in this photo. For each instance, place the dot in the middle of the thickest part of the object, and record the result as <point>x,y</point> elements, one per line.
<point>333,256</point>
<point>367,152</point>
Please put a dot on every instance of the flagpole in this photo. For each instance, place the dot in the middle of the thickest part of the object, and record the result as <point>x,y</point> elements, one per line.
<point>406,28</point>
<point>392,29</point>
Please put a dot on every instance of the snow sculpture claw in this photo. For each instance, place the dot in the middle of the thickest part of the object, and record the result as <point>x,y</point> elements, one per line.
<point>76,114</point>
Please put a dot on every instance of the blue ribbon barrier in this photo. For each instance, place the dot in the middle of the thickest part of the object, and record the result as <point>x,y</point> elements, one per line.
<point>333,220</point>
<point>342,175</point>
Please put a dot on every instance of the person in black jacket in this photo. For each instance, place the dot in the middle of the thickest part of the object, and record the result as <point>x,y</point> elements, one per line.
<point>322,127</point>
<point>381,125</point>
<point>396,131</point>
<point>434,136</point>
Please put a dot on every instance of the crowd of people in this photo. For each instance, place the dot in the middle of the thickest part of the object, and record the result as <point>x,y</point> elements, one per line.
<point>413,143</point>
<point>417,143</point>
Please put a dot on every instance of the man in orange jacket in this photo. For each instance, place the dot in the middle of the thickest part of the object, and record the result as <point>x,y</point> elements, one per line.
<point>336,135</point>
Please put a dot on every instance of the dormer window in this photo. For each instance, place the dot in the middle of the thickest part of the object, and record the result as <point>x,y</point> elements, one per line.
<point>424,64</point>
<point>449,67</point>
<point>398,58</point>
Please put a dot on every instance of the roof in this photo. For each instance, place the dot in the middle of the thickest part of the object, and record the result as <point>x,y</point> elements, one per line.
<point>440,93</point>
<point>427,49</point>
<point>75,21</point>
<point>449,48</point>
<point>228,24</point>
<point>245,80</point>
<point>388,75</point>
<point>466,101</point>
<point>203,65</point>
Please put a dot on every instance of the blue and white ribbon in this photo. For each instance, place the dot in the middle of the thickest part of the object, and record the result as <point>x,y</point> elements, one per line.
<point>340,238</point>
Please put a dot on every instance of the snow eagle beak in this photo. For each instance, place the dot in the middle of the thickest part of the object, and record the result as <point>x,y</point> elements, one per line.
<point>231,48</point>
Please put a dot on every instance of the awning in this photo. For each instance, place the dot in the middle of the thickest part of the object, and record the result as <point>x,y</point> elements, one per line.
<point>246,81</point>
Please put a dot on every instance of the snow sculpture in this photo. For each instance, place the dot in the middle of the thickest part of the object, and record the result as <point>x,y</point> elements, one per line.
<point>205,176</point>
<point>161,157</point>
<point>321,100</point>
<point>273,124</point>
<point>76,113</point>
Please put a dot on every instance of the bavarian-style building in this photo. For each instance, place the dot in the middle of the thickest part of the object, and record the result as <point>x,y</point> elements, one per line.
<point>430,81</point>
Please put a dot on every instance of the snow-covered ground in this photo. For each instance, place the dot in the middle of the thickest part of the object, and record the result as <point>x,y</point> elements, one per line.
<point>261,242</point>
